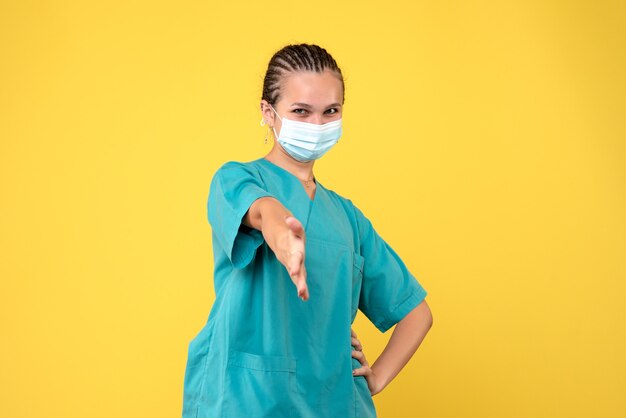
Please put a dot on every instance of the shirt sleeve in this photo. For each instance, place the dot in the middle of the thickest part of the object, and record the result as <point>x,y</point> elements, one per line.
<point>389,290</point>
<point>233,189</point>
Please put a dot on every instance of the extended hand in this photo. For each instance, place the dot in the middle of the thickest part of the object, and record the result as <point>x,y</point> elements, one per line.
<point>292,256</point>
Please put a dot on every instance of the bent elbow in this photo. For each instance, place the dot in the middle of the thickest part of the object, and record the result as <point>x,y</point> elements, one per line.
<point>427,315</point>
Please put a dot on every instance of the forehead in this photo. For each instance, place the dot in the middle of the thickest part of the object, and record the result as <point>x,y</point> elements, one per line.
<point>311,87</point>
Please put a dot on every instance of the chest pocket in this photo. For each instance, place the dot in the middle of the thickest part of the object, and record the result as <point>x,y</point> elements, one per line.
<point>357,280</point>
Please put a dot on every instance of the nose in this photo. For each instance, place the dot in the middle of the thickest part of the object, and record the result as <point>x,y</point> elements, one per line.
<point>317,119</point>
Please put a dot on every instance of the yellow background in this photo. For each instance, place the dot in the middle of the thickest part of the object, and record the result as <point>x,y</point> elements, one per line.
<point>484,139</point>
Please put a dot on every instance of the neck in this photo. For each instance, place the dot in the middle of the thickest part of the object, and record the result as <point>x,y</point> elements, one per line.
<point>302,170</point>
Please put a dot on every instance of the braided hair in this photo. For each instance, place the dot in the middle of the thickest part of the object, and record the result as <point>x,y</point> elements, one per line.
<point>291,58</point>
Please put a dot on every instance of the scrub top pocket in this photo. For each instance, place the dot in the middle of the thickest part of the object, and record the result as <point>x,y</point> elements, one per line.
<point>357,281</point>
<point>195,372</point>
<point>259,385</point>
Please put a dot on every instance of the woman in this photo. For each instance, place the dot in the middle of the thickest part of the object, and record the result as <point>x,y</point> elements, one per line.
<point>294,261</point>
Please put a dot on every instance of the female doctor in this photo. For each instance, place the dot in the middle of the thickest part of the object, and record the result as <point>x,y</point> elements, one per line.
<point>294,261</point>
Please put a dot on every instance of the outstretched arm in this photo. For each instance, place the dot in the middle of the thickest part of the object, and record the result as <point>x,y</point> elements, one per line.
<point>405,339</point>
<point>285,236</point>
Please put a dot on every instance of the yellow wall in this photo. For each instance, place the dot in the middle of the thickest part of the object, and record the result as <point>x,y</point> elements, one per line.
<point>484,139</point>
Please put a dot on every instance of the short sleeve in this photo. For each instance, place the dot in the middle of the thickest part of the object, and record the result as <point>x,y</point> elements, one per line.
<point>389,290</point>
<point>234,187</point>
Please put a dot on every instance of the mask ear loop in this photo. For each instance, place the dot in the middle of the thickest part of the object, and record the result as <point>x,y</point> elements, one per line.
<point>276,112</point>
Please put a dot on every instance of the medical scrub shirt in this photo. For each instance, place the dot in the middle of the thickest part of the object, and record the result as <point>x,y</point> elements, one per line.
<point>264,352</point>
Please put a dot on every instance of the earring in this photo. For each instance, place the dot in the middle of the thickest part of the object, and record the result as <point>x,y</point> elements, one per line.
<point>262,123</point>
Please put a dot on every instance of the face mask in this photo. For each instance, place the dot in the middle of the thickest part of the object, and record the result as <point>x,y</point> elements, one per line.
<point>307,141</point>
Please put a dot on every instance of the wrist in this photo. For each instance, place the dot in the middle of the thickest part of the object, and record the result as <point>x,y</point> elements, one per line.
<point>382,378</point>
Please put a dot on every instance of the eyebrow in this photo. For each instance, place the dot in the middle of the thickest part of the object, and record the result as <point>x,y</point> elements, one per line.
<point>307,106</point>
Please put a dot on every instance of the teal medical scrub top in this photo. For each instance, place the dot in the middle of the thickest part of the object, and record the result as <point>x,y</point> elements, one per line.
<point>263,351</point>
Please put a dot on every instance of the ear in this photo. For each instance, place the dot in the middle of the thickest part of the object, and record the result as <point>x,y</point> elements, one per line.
<point>267,113</point>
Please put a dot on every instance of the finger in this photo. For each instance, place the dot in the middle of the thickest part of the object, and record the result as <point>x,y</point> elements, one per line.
<point>303,289</point>
<point>297,272</point>
<point>357,344</point>
<point>303,293</point>
<point>352,333</point>
<point>295,263</point>
<point>359,355</point>
<point>362,371</point>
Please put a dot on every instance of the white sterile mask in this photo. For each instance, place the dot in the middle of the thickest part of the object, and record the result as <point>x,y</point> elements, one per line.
<point>307,141</point>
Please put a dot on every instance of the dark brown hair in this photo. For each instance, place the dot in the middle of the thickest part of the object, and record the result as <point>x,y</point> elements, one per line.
<point>291,58</point>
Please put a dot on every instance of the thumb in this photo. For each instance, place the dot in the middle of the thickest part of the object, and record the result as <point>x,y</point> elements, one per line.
<point>294,224</point>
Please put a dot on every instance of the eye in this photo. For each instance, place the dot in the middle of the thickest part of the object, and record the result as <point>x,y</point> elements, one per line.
<point>300,113</point>
<point>334,109</point>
